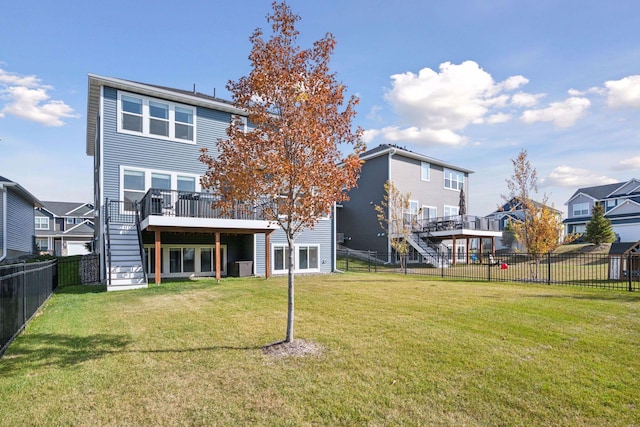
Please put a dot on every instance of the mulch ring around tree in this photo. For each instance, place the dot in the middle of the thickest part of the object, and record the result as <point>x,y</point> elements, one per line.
<point>295,348</point>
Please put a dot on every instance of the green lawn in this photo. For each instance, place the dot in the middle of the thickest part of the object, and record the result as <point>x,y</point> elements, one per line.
<point>398,350</point>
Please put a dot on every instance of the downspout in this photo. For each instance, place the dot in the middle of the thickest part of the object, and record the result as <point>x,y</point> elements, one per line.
<point>4,223</point>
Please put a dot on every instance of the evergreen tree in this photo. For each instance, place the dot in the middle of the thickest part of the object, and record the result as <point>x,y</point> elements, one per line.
<point>599,228</point>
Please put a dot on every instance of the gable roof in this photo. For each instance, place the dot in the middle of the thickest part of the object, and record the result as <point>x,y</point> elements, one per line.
<point>386,149</point>
<point>513,206</point>
<point>630,187</point>
<point>618,248</point>
<point>96,83</point>
<point>65,209</point>
<point>600,192</point>
<point>20,190</point>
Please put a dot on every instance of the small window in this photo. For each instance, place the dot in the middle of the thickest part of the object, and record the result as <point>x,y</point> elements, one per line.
<point>69,220</point>
<point>581,209</point>
<point>451,210</point>
<point>131,113</point>
<point>186,183</point>
<point>42,223</point>
<point>43,244</point>
<point>453,180</point>
<point>429,212</point>
<point>425,171</point>
<point>159,118</point>
<point>133,187</point>
<point>184,123</point>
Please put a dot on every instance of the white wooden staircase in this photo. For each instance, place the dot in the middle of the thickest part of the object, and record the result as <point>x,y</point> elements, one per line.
<point>126,269</point>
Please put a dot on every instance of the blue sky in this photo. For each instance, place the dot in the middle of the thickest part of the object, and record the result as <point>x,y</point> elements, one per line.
<point>468,82</point>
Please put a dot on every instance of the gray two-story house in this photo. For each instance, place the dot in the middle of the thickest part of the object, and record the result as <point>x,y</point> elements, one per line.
<point>64,228</point>
<point>17,224</point>
<point>434,208</point>
<point>622,207</point>
<point>152,217</point>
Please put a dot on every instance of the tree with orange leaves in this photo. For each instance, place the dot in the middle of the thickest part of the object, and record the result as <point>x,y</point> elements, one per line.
<point>286,159</point>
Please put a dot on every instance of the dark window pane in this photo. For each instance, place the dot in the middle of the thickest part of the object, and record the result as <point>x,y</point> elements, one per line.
<point>175,260</point>
<point>158,127</point>
<point>158,110</point>
<point>189,260</point>
<point>206,260</point>
<point>131,105</point>
<point>133,180</point>
<point>184,115</point>
<point>184,132</point>
<point>133,123</point>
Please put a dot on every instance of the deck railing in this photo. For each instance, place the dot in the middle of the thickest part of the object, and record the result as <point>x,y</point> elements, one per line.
<point>189,204</point>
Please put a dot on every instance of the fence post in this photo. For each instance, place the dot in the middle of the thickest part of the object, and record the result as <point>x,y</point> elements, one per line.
<point>488,270</point>
<point>24,293</point>
<point>548,268</point>
<point>369,261</point>
<point>375,265</point>
<point>630,271</point>
<point>347,264</point>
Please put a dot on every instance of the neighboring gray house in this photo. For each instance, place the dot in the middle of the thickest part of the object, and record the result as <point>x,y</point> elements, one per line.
<point>512,211</point>
<point>17,227</point>
<point>434,209</point>
<point>622,207</point>
<point>64,228</point>
<point>146,141</point>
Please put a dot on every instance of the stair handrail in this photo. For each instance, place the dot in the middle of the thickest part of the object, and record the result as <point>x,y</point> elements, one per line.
<point>141,244</point>
<point>107,219</point>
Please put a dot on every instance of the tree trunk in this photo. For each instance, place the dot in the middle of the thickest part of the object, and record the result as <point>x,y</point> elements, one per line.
<point>290,305</point>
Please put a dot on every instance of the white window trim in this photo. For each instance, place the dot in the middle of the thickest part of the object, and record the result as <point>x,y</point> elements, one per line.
<point>459,183</point>
<point>426,208</point>
<point>48,240</point>
<point>450,207</point>
<point>573,210</point>
<point>146,117</point>
<point>38,224</point>
<point>296,264</point>
<point>147,178</point>
<point>428,165</point>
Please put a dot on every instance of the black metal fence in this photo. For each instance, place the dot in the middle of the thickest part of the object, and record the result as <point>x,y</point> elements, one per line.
<point>582,269</point>
<point>23,289</point>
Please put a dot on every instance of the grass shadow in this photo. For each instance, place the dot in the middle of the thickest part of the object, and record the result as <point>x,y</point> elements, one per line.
<point>81,289</point>
<point>36,351</point>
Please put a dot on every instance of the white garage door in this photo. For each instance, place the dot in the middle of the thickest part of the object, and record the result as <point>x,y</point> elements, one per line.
<point>76,248</point>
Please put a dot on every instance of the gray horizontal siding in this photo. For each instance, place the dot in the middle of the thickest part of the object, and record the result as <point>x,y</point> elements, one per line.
<point>20,223</point>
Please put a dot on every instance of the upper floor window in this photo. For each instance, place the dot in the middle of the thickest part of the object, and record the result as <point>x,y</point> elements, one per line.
<point>155,118</point>
<point>611,203</point>
<point>42,223</point>
<point>451,210</point>
<point>581,209</point>
<point>453,180</point>
<point>425,171</point>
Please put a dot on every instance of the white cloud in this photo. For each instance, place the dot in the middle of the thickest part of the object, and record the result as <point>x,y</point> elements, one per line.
<point>416,135</point>
<point>630,163</point>
<point>437,105</point>
<point>562,114</point>
<point>624,92</point>
<point>498,118</point>
<point>522,99</point>
<point>29,99</point>
<point>567,176</point>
